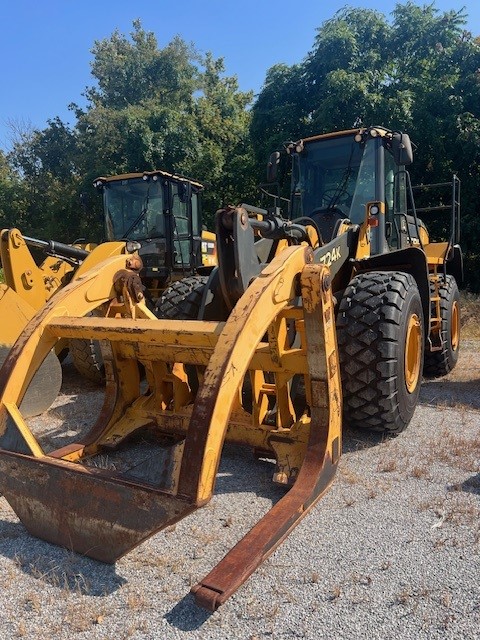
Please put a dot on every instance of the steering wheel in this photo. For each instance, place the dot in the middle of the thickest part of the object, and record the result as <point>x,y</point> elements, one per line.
<point>342,200</point>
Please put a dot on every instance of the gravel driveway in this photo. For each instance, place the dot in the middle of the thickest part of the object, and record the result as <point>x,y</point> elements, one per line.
<point>392,551</point>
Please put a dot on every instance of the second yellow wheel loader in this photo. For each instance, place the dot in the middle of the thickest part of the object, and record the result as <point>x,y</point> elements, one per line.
<point>158,213</point>
<point>28,285</point>
<point>303,319</point>
<point>162,213</point>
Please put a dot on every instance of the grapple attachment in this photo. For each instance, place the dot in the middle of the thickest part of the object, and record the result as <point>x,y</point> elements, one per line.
<point>267,377</point>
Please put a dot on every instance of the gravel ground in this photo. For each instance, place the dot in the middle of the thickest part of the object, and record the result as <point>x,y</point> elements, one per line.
<point>392,551</point>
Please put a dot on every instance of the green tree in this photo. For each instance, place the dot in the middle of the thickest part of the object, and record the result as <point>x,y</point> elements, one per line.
<point>280,112</point>
<point>164,108</point>
<point>417,73</point>
<point>46,162</point>
<point>13,196</point>
<point>139,113</point>
<point>222,152</point>
<point>347,69</point>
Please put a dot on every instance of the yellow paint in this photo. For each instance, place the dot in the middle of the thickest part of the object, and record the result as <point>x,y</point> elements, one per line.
<point>254,342</point>
<point>413,352</point>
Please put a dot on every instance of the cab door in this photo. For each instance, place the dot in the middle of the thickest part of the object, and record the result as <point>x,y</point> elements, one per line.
<point>181,227</point>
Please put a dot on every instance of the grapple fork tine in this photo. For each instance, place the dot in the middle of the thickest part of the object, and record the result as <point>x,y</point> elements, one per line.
<point>321,458</point>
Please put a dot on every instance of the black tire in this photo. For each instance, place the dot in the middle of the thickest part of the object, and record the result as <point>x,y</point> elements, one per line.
<point>182,299</point>
<point>439,363</point>
<point>87,359</point>
<point>380,334</point>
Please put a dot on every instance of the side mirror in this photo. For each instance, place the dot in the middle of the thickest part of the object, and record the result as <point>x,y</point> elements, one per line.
<point>184,192</point>
<point>272,166</point>
<point>402,148</point>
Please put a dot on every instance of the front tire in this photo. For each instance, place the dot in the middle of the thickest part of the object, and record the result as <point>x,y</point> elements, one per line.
<point>182,301</point>
<point>87,359</point>
<point>380,332</point>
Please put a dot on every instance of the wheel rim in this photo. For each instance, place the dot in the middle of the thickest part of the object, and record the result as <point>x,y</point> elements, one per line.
<point>413,352</point>
<point>455,326</point>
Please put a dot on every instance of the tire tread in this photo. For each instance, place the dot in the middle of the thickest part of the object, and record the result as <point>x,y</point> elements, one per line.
<point>368,325</point>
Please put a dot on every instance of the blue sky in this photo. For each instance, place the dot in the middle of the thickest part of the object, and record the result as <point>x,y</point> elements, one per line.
<point>45,47</point>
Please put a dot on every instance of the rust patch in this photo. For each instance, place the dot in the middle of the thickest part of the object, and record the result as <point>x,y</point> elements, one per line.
<point>85,510</point>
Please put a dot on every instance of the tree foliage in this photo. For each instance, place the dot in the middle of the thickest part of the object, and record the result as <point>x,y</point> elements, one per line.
<point>42,164</point>
<point>13,196</point>
<point>167,108</point>
<point>164,108</point>
<point>172,108</point>
<point>419,73</point>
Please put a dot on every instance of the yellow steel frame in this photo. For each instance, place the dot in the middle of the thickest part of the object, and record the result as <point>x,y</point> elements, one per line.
<point>291,297</point>
<point>35,284</point>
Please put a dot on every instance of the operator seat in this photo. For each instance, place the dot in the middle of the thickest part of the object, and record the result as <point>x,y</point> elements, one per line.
<point>328,221</point>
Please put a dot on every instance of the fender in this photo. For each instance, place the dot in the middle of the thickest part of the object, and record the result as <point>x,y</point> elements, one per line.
<point>455,264</point>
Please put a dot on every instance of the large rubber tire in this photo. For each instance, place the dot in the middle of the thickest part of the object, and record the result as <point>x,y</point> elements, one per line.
<point>87,359</point>
<point>380,334</point>
<point>439,363</point>
<point>182,299</point>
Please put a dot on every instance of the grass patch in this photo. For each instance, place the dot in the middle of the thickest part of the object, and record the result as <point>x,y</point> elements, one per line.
<point>470,315</point>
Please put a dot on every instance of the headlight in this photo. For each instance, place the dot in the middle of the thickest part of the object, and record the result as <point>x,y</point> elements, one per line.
<point>132,246</point>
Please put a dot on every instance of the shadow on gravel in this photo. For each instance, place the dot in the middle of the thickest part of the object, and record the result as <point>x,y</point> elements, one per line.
<point>74,382</point>
<point>55,566</point>
<point>446,393</point>
<point>186,616</point>
<point>470,485</point>
<point>359,439</point>
<point>240,471</point>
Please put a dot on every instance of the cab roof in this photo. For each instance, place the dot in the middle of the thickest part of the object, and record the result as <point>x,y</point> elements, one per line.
<point>380,131</point>
<point>145,175</point>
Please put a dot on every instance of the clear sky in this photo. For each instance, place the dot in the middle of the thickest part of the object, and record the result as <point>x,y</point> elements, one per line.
<point>45,46</point>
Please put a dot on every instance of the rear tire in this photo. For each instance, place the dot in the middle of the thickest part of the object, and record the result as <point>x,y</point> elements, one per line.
<point>380,335</point>
<point>87,359</point>
<point>182,299</point>
<point>439,363</point>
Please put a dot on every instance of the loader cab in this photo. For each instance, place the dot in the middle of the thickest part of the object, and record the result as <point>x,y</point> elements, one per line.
<point>356,175</point>
<point>162,213</point>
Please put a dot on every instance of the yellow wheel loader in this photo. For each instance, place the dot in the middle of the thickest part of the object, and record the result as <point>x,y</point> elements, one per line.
<point>302,316</point>
<point>159,213</point>
<point>27,287</point>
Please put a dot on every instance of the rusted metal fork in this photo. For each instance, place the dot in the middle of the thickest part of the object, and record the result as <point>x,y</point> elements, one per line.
<point>323,451</point>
